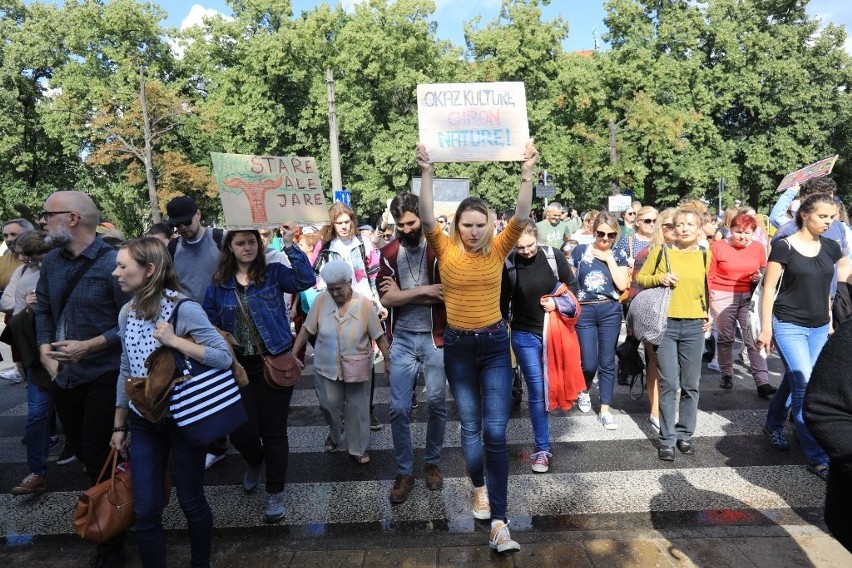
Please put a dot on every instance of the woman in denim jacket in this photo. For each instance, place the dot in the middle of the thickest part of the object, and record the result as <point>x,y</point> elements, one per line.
<point>246,299</point>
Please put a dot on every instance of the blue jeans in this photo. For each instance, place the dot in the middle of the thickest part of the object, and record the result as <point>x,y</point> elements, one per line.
<point>150,448</point>
<point>479,370</point>
<point>37,430</point>
<point>799,348</point>
<point>528,347</point>
<point>408,352</point>
<point>597,331</point>
<point>679,362</point>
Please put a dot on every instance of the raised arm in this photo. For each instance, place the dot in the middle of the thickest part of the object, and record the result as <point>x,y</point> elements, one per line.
<point>427,198</point>
<point>525,194</point>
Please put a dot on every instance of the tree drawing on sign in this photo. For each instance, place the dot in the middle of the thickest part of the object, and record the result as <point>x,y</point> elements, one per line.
<point>255,192</point>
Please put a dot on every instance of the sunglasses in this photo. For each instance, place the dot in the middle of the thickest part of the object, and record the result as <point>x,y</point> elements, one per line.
<point>601,234</point>
<point>668,226</point>
<point>648,221</point>
<point>630,212</point>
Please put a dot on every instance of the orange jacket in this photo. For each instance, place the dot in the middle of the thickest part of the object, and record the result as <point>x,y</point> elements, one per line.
<point>563,375</point>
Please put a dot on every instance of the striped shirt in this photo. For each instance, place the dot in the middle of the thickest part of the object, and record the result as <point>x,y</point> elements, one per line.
<point>471,281</point>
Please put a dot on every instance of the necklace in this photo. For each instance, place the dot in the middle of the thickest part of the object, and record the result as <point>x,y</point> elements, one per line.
<point>419,272</point>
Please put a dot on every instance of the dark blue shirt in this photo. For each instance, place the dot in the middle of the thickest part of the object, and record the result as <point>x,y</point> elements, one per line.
<point>92,310</point>
<point>594,280</point>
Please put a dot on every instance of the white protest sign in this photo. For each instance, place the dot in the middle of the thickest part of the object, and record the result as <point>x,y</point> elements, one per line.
<point>473,122</point>
<point>619,203</point>
<point>265,191</point>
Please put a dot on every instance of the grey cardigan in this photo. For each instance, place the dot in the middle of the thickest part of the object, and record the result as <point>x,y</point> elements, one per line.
<point>191,320</point>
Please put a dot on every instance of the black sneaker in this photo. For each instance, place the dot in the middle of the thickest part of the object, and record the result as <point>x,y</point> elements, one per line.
<point>67,456</point>
<point>666,453</point>
<point>374,422</point>
<point>727,382</point>
<point>686,447</point>
<point>766,390</point>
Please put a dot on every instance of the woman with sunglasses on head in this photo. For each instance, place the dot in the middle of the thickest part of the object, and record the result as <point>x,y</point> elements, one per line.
<point>601,277</point>
<point>683,266</point>
<point>246,299</point>
<point>476,341</point>
<point>584,235</point>
<point>144,268</point>
<point>801,268</point>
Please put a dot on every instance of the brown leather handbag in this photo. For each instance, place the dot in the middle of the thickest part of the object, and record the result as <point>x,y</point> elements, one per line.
<point>105,510</point>
<point>280,371</point>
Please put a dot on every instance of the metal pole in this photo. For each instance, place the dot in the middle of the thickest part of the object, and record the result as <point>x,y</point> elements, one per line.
<point>721,189</point>
<point>336,178</point>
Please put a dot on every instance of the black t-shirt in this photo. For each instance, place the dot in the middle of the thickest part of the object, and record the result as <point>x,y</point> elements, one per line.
<point>534,279</point>
<point>806,282</point>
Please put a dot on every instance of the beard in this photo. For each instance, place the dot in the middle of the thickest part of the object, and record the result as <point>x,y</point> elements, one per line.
<point>412,239</point>
<point>59,238</point>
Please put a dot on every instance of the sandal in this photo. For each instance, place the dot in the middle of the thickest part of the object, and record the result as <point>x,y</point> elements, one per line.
<point>820,470</point>
<point>361,460</point>
<point>329,446</point>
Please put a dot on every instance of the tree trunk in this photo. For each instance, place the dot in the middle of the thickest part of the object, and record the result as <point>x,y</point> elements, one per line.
<point>613,153</point>
<point>148,152</point>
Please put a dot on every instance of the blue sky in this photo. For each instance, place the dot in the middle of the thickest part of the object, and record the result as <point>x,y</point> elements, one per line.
<point>585,17</point>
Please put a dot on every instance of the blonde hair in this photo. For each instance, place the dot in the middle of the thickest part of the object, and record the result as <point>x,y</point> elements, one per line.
<point>607,218</point>
<point>663,217</point>
<point>644,210</point>
<point>478,205</point>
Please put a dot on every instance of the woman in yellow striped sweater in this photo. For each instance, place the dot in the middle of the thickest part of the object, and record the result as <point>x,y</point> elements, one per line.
<point>476,341</point>
<point>679,352</point>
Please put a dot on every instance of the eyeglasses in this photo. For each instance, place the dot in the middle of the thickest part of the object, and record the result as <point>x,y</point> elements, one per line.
<point>668,226</point>
<point>387,236</point>
<point>601,234</point>
<point>648,221</point>
<point>630,212</point>
<point>46,215</point>
<point>184,223</point>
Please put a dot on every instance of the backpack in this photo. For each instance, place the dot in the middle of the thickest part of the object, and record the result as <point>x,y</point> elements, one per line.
<point>512,270</point>
<point>324,252</point>
<point>218,235</point>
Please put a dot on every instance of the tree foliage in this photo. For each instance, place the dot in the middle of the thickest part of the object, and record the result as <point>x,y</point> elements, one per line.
<point>687,92</point>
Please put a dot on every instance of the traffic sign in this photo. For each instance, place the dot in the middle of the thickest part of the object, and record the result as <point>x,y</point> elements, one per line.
<point>545,191</point>
<point>344,196</point>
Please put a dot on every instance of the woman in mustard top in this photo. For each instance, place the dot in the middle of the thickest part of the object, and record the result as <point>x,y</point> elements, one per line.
<point>476,341</point>
<point>679,352</point>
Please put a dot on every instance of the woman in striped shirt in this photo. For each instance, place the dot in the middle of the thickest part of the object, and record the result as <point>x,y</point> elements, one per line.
<point>476,341</point>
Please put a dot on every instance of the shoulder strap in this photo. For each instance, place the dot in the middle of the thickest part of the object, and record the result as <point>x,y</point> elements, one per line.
<point>363,251</point>
<point>705,302</point>
<point>173,247</point>
<point>509,263</point>
<point>173,317</point>
<point>78,274</point>
<point>630,246</point>
<point>249,323</point>
<point>551,260</point>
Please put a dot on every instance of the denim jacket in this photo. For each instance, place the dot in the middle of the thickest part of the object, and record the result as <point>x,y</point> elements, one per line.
<point>265,303</point>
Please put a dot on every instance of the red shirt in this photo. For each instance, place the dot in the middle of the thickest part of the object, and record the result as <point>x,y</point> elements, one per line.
<point>732,269</point>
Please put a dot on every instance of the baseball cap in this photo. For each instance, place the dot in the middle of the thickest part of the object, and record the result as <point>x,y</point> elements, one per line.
<point>365,228</point>
<point>180,210</point>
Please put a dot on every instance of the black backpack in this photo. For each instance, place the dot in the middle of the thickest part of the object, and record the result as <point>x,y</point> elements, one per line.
<point>218,235</point>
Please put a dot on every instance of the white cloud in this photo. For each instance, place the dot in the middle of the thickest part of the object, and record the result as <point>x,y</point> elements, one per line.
<point>196,16</point>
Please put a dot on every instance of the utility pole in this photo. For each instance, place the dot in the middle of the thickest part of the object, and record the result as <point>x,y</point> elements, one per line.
<point>336,179</point>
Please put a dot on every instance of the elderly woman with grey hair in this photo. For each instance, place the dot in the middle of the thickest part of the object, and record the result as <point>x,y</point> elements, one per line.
<point>344,324</point>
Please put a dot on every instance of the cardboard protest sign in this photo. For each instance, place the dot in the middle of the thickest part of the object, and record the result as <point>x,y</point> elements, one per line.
<point>618,203</point>
<point>264,191</point>
<point>815,170</point>
<point>447,193</point>
<point>473,122</point>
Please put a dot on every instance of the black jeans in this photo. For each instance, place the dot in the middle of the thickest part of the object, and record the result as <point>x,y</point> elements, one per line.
<point>87,412</point>
<point>264,436</point>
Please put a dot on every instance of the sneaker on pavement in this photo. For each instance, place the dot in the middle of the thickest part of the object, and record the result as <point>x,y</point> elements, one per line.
<point>500,539</point>
<point>820,470</point>
<point>374,422</point>
<point>114,560</point>
<point>608,421</point>
<point>727,382</point>
<point>434,479</point>
<point>402,486</point>
<point>274,508</point>
<point>713,365</point>
<point>31,485</point>
<point>777,438</point>
<point>766,390</point>
<point>210,459</point>
<point>12,375</point>
<point>584,402</point>
<point>251,479</point>
<point>541,461</point>
<point>481,506</point>
<point>67,456</point>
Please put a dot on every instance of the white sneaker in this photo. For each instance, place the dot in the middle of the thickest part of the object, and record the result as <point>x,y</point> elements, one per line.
<point>714,365</point>
<point>500,539</point>
<point>584,402</point>
<point>210,459</point>
<point>654,421</point>
<point>481,506</point>
<point>608,421</point>
<point>12,375</point>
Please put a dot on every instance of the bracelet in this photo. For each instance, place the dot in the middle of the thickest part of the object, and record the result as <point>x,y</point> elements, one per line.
<point>121,429</point>
<point>526,180</point>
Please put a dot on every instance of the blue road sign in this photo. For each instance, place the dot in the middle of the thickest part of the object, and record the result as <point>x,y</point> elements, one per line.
<point>344,196</point>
